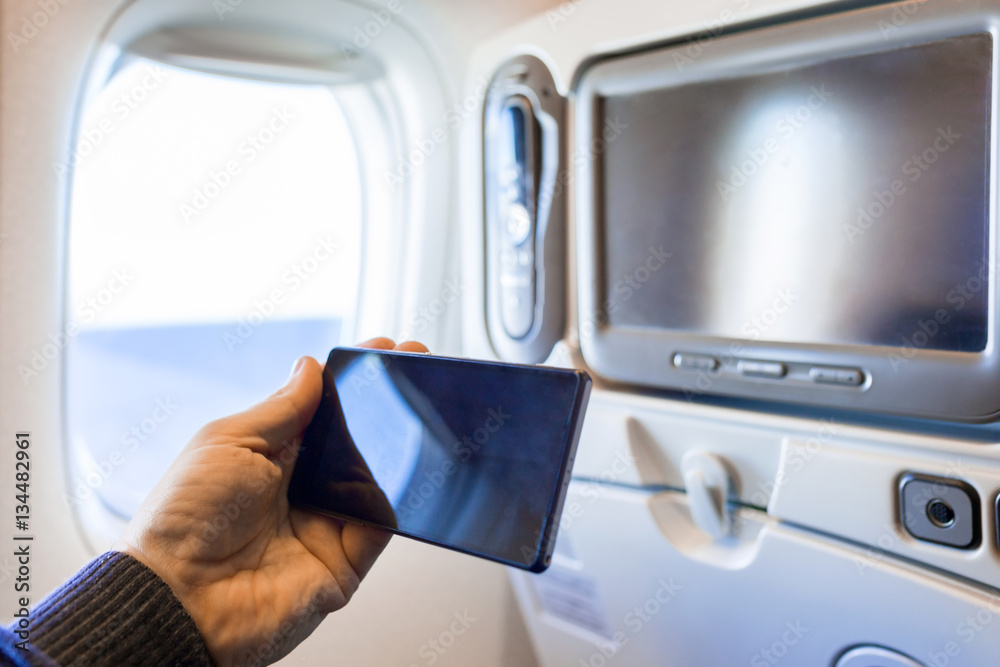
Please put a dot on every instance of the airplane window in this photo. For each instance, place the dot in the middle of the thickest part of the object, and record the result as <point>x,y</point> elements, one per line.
<point>215,236</point>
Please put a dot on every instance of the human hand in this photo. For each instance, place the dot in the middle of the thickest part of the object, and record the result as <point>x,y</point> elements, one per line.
<point>256,576</point>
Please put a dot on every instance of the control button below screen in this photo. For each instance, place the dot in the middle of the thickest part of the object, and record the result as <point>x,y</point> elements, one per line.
<point>695,362</point>
<point>764,369</point>
<point>850,377</point>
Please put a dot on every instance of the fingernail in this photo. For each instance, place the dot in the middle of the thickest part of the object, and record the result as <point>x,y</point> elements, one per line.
<point>298,367</point>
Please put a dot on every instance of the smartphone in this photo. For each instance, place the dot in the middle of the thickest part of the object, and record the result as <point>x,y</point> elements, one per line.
<point>473,456</point>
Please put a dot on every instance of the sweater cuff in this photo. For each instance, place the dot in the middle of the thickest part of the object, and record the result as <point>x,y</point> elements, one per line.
<point>116,611</point>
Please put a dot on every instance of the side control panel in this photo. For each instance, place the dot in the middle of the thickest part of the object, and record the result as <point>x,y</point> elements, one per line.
<point>518,166</point>
<point>524,141</point>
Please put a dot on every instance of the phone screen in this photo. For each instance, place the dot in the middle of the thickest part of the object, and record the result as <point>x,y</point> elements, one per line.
<point>469,455</point>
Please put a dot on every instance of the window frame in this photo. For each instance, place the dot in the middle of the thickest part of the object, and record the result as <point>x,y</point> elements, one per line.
<point>404,236</point>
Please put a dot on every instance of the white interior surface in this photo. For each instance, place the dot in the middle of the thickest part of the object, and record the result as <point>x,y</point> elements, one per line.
<point>801,597</point>
<point>830,550</point>
<point>413,593</point>
<point>848,582</point>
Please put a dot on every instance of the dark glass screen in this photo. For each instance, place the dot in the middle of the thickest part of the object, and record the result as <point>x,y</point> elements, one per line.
<point>469,455</point>
<point>841,202</point>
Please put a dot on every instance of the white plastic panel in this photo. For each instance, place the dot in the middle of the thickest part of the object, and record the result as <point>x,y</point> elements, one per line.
<point>738,595</point>
<point>636,441</point>
<point>798,599</point>
<point>822,475</point>
<point>850,488</point>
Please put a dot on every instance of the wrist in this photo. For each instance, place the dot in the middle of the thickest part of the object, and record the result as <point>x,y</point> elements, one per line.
<point>116,611</point>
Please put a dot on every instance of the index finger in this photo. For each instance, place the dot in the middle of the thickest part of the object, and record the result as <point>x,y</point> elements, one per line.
<point>379,343</point>
<point>412,346</point>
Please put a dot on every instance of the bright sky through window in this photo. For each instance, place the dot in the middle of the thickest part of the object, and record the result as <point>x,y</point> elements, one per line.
<point>215,236</point>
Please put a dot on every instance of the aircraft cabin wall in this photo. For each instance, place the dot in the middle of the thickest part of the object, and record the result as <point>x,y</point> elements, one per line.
<point>814,566</point>
<point>51,71</point>
<point>804,561</point>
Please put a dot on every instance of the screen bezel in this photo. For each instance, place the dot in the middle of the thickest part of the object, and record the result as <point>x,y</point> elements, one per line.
<point>957,386</point>
<point>545,544</point>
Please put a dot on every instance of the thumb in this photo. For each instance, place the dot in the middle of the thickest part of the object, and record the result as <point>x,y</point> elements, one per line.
<point>286,413</point>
